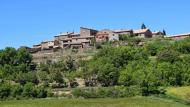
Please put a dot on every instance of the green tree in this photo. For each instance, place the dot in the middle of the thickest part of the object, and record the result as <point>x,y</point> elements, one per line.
<point>168,55</point>
<point>143,26</point>
<point>23,56</point>
<point>69,64</point>
<point>108,75</point>
<point>5,91</point>
<point>7,56</point>
<point>164,32</point>
<point>23,78</point>
<point>29,90</point>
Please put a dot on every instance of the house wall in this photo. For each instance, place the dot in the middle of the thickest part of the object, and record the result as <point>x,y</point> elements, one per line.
<point>47,45</point>
<point>148,34</point>
<point>50,44</point>
<point>127,33</point>
<point>106,35</point>
<point>87,32</point>
<point>44,45</point>
<point>102,36</point>
<point>113,37</point>
<point>37,46</point>
<point>179,37</point>
<point>157,35</point>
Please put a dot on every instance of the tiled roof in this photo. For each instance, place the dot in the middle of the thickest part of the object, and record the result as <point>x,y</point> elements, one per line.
<point>82,37</point>
<point>178,35</point>
<point>47,41</point>
<point>64,34</point>
<point>75,34</point>
<point>88,28</point>
<point>122,30</point>
<point>157,32</point>
<point>140,31</point>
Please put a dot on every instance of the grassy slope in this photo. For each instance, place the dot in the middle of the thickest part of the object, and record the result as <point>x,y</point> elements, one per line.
<point>127,102</point>
<point>179,92</point>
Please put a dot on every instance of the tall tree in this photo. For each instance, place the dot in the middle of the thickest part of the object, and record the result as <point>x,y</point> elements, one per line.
<point>143,26</point>
<point>164,32</point>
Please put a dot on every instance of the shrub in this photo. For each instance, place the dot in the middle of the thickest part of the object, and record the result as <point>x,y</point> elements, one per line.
<point>168,55</point>
<point>183,46</point>
<point>23,78</point>
<point>5,91</point>
<point>98,46</point>
<point>102,92</point>
<point>41,92</point>
<point>17,91</point>
<point>29,90</point>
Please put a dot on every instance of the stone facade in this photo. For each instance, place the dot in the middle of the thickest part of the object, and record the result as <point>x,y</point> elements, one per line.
<point>87,32</point>
<point>180,36</point>
<point>75,40</point>
<point>106,35</point>
<point>121,32</point>
<point>87,36</point>
<point>47,45</point>
<point>143,33</point>
<point>157,34</point>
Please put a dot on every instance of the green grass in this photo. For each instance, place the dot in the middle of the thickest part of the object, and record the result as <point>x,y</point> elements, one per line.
<point>179,92</point>
<point>126,102</point>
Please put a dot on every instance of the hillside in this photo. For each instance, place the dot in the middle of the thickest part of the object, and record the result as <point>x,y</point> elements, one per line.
<point>121,69</point>
<point>127,102</point>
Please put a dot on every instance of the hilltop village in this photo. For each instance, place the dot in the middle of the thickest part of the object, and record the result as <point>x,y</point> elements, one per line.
<point>64,43</point>
<point>88,36</point>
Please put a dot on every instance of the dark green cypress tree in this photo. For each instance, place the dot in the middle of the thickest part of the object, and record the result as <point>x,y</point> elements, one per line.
<point>164,32</point>
<point>143,26</point>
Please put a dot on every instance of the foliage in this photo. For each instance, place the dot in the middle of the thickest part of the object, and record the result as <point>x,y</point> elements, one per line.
<point>183,46</point>
<point>155,46</point>
<point>143,26</point>
<point>108,75</point>
<point>131,69</point>
<point>5,91</point>
<point>124,37</point>
<point>168,55</point>
<point>114,92</point>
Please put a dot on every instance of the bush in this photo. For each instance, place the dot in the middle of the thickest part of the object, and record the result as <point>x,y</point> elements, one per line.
<point>168,55</point>
<point>23,78</point>
<point>29,90</point>
<point>113,92</point>
<point>5,91</point>
<point>41,92</point>
<point>17,91</point>
<point>183,46</point>
<point>98,46</point>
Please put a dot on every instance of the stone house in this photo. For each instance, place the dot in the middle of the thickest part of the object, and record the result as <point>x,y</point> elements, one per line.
<point>47,45</point>
<point>106,35</point>
<point>124,31</point>
<point>62,39</point>
<point>75,40</point>
<point>179,36</point>
<point>87,32</point>
<point>157,34</point>
<point>142,33</point>
<point>39,46</point>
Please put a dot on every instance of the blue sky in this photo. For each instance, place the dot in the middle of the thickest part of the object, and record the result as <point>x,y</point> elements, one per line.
<point>28,22</point>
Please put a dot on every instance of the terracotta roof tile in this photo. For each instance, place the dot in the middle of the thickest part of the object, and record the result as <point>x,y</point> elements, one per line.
<point>140,31</point>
